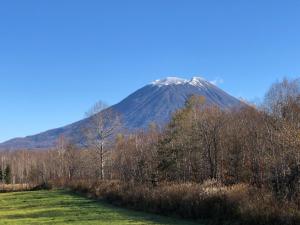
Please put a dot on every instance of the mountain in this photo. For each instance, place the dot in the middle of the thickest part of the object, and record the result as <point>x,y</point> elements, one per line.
<point>153,103</point>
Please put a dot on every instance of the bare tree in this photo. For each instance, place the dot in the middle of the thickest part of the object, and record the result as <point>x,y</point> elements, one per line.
<point>282,99</point>
<point>102,126</point>
<point>96,108</point>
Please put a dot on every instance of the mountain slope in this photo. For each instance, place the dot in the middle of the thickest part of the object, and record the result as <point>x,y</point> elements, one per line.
<point>153,103</point>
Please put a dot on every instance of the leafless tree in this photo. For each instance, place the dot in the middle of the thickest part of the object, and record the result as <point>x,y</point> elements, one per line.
<point>103,125</point>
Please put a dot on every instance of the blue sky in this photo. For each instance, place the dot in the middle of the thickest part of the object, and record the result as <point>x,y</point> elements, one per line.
<point>58,57</point>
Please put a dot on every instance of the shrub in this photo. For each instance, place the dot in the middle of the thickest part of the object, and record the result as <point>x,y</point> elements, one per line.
<point>209,201</point>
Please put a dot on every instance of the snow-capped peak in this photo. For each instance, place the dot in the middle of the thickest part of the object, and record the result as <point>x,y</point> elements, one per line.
<point>195,81</point>
<point>169,81</point>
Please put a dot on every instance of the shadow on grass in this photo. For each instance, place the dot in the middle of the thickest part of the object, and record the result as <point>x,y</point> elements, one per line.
<point>67,207</point>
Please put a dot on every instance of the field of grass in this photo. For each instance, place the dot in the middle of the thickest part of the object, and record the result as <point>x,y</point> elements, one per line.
<point>61,207</point>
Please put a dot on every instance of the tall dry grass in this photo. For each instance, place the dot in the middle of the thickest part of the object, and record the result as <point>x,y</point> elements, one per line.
<point>211,201</point>
<point>16,187</point>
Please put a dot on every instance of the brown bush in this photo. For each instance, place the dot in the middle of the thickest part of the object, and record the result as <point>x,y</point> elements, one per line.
<point>210,201</point>
<point>16,187</point>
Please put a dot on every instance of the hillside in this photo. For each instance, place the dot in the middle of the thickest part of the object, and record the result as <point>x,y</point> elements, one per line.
<point>155,102</point>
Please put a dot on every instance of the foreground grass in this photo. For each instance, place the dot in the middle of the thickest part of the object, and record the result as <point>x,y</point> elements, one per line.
<point>61,207</point>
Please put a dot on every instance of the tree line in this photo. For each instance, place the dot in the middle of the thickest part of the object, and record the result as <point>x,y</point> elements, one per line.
<point>256,145</point>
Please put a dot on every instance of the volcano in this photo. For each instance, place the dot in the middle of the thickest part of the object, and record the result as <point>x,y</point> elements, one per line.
<point>153,103</point>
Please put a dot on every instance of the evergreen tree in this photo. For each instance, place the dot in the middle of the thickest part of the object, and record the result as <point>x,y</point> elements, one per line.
<point>1,175</point>
<point>7,175</point>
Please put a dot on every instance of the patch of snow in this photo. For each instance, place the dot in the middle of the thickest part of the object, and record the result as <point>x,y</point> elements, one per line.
<point>195,81</point>
<point>170,81</point>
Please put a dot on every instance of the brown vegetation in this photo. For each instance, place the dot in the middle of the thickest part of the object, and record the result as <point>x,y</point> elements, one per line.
<point>210,201</point>
<point>16,187</point>
<point>251,154</point>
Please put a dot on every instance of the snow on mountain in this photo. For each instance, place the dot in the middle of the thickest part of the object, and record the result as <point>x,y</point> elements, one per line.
<point>195,81</point>
<point>198,82</point>
<point>169,81</point>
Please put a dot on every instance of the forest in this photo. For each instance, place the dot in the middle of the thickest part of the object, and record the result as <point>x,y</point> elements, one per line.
<point>206,164</point>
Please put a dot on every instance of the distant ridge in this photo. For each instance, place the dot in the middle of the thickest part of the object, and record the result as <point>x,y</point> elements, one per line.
<point>155,102</point>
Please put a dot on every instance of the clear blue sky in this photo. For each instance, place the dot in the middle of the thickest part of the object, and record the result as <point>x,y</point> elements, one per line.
<point>57,57</point>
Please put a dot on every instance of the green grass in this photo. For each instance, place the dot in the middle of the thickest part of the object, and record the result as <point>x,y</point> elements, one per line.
<point>61,207</point>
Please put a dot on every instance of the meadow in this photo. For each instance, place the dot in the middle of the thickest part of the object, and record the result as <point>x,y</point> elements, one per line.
<point>63,207</point>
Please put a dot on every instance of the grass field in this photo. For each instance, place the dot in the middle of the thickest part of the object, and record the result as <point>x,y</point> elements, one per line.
<point>61,207</point>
